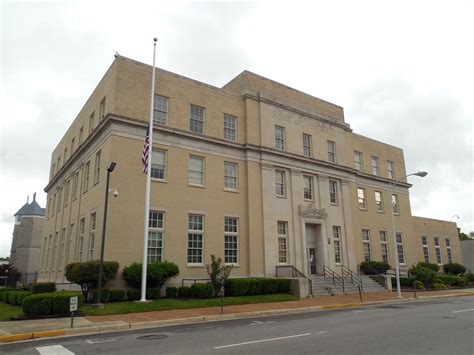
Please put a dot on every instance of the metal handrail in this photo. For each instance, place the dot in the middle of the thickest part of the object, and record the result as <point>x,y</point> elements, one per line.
<point>295,273</point>
<point>337,279</point>
<point>355,280</point>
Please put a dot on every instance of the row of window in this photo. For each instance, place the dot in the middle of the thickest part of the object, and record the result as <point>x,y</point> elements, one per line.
<point>379,202</point>
<point>280,144</point>
<point>73,147</point>
<point>437,245</point>
<point>55,203</point>
<point>367,247</point>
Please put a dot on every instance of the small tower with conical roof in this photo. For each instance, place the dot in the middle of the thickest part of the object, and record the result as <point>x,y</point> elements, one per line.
<point>26,242</point>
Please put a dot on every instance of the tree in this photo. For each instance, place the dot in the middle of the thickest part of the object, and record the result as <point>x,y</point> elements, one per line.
<point>157,274</point>
<point>218,273</point>
<point>463,236</point>
<point>86,274</point>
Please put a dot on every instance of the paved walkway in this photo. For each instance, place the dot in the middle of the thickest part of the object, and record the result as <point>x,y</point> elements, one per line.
<point>21,330</point>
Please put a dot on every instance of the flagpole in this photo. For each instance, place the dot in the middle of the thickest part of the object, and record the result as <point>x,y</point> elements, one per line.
<point>148,178</point>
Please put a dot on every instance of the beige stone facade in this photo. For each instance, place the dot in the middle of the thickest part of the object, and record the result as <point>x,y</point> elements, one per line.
<point>254,172</point>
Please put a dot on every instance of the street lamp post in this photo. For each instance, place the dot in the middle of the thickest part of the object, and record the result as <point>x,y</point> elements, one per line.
<point>104,224</point>
<point>397,266</point>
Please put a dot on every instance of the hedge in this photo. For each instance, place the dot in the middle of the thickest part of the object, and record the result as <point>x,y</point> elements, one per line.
<point>404,281</point>
<point>237,287</point>
<point>21,296</point>
<point>258,286</point>
<point>133,294</point>
<point>184,292</point>
<point>202,291</point>
<point>454,269</point>
<point>153,293</point>
<point>104,295</point>
<point>62,300</point>
<point>432,267</point>
<point>117,295</point>
<point>157,273</point>
<point>374,267</point>
<point>447,279</point>
<point>42,304</point>
<point>171,292</point>
<point>462,281</point>
<point>43,287</point>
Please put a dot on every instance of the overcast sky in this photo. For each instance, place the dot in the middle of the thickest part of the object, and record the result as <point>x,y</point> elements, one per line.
<point>402,70</point>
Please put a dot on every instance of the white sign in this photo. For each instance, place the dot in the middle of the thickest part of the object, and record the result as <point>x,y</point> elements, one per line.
<point>73,304</point>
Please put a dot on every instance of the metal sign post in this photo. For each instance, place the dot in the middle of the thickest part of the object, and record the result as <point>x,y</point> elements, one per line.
<point>73,301</point>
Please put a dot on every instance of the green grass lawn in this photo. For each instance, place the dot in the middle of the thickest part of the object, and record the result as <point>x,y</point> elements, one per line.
<point>167,304</point>
<point>7,311</point>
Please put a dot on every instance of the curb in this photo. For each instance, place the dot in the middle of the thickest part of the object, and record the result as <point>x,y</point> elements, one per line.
<point>203,319</point>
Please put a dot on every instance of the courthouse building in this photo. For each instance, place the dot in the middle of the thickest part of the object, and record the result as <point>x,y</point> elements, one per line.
<point>255,172</point>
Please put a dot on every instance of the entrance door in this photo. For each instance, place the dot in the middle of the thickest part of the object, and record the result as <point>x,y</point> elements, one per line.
<point>312,261</point>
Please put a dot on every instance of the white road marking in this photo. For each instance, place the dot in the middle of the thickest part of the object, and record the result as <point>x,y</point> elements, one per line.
<point>261,341</point>
<point>463,310</point>
<point>358,311</point>
<point>101,341</point>
<point>54,350</point>
<point>321,332</point>
<point>256,322</point>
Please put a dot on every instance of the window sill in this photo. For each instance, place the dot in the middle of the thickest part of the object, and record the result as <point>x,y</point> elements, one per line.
<point>309,200</point>
<point>381,211</point>
<point>198,186</point>
<point>362,209</point>
<point>278,196</point>
<point>159,180</point>
<point>230,190</point>
<point>334,204</point>
<point>195,265</point>
<point>233,265</point>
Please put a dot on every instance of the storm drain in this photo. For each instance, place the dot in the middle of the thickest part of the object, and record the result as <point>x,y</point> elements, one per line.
<point>153,337</point>
<point>394,307</point>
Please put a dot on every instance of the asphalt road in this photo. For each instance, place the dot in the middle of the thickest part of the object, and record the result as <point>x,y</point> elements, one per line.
<point>441,326</point>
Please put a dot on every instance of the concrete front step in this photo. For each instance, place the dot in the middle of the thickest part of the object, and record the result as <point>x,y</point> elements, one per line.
<point>322,286</point>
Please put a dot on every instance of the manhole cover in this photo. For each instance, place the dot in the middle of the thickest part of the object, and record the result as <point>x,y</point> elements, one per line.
<point>153,337</point>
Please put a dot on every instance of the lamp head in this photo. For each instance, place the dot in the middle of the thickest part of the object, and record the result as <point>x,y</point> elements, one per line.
<point>111,167</point>
<point>421,173</point>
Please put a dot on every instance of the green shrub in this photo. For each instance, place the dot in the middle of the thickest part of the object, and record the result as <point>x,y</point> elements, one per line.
<point>153,293</point>
<point>104,295</point>
<point>421,273</point>
<point>283,286</point>
<point>454,269</point>
<point>470,276</point>
<point>269,286</point>
<point>202,291</point>
<point>12,297</point>
<point>171,292</point>
<point>404,282</point>
<point>38,304</point>
<point>418,285</point>
<point>134,294</point>
<point>117,295</point>
<point>447,279</point>
<point>237,287</point>
<point>61,301</point>
<point>21,296</point>
<point>43,287</point>
<point>255,287</point>
<point>184,292</point>
<point>218,273</point>
<point>86,274</point>
<point>157,274</point>
<point>374,267</point>
<point>439,286</point>
<point>432,267</point>
<point>462,281</point>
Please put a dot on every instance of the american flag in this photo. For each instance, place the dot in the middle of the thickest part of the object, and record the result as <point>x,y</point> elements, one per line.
<point>146,150</point>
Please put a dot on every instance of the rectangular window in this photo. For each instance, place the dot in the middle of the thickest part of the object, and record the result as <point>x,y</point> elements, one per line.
<point>379,201</point>
<point>195,238</point>
<point>280,183</point>
<point>401,254</point>
<point>155,236</point>
<point>426,250</point>
<point>55,247</point>
<point>60,195</point>
<point>280,138</point>
<point>82,226</point>
<point>59,163</point>
<point>43,257</point>
<point>54,204</point>
<point>196,170</point>
<point>366,245</point>
<point>230,127</point>
<point>361,198</point>
<point>49,207</point>
<point>332,151</point>
<point>65,155</point>
<point>438,250</point>
<point>336,234</point>
<point>81,135</point>
<point>448,250</point>
<point>358,161</point>
<point>49,250</point>
<point>384,246</point>
<point>395,206</point>
<point>282,241</point>
<point>61,249</point>
<point>75,185</point>
<point>158,164</point>
<point>308,187</point>
<point>196,121</point>
<point>73,145</point>
<point>333,191</point>
<point>390,170</point>
<point>307,145</point>
<point>53,169</point>
<point>230,176</point>
<point>102,109</point>
<point>85,184</point>
<point>97,168</point>
<point>91,122</point>
<point>160,110</point>
<point>231,240</point>
<point>67,186</point>
<point>375,166</point>
<point>68,245</point>
<point>92,236</point>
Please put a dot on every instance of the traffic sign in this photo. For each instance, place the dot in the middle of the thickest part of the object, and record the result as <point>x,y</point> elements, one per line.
<point>73,304</point>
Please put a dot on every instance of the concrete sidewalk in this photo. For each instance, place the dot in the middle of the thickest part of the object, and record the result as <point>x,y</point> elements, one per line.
<point>33,329</point>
